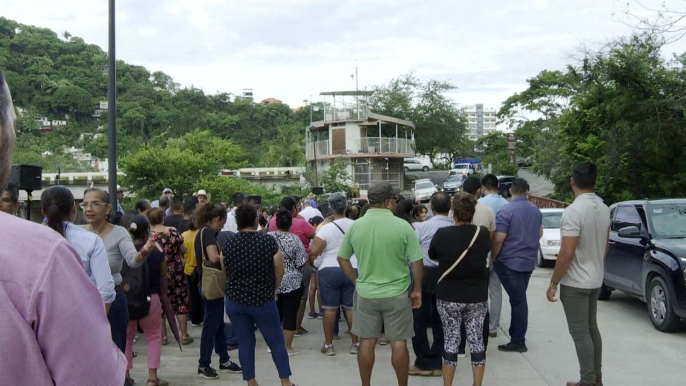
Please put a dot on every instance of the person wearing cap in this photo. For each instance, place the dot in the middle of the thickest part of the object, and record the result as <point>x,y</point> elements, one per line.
<point>203,197</point>
<point>169,194</point>
<point>383,245</point>
<point>310,210</point>
<point>518,228</point>
<point>120,196</point>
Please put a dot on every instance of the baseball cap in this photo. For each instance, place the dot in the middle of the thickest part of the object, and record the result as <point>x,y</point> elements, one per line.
<point>120,189</point>
<point>167,190</point>
<point>381,191</point>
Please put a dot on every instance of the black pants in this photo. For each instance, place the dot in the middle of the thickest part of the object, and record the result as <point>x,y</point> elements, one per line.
<point>195,302</point>
<point>288,305</point>
<point>428,356</point>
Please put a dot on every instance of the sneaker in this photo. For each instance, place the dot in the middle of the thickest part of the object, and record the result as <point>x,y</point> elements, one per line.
<point>328,350</point>
<point>312,315</point>
<point>196,325</point>
<point>513,347</point>
<point>230,367</point>
<point>437,373</point>
<point>354,349</point>
<point>336,337</point>
<point>414,370</point>
<point>208,373</point>
<point>493,334</point>
<point>461,354</point>
<point>320,315</point>
<point>302,332</point>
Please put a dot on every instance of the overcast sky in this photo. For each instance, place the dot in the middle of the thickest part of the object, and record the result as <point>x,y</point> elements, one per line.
<point>290,49</point>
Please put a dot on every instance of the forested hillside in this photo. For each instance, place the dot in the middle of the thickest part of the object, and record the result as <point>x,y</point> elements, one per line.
<point>57,76</point>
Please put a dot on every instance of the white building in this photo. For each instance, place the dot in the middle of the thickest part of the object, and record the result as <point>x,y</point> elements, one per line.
<point>480,121</point>
<point>373,145</point>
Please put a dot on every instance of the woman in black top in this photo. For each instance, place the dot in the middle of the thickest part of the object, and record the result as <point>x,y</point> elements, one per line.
<point>462,290</point>
<point>211,219</point>
<point>254,266</point>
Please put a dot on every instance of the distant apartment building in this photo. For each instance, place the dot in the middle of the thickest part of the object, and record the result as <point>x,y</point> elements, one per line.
<point>100,109</point>
<point>480,121</point>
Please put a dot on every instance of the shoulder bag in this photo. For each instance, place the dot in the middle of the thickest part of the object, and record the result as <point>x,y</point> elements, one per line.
<point>213,279</point>
<point>447,271</point>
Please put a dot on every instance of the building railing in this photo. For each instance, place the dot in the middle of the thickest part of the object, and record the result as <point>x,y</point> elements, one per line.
<point>347,112</point>
<point>376,145</point>
<point>321,146</point>
<point>547,203</point>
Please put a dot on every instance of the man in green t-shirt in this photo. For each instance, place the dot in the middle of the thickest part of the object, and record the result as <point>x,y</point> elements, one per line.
<point>383,244</point>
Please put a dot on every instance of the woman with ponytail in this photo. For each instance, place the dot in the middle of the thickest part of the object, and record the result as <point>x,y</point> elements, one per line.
<point>57,204</point>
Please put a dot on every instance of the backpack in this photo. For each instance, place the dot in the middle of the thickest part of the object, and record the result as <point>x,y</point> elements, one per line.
<point>138,289</point>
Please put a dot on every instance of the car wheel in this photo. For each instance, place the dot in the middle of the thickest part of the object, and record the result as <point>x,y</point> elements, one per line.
<point>425,169</point>
<point>659,298</point>
<point>540,260</point>
<point>605,292</point>
<point>407,169</point>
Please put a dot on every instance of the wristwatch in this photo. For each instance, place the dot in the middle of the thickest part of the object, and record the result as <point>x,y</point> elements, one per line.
<point>553,285</point>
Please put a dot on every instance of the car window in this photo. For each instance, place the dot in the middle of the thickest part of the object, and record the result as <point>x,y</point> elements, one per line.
<point>669,220</point>
<point>626,216</point>
<point>552,220</point>
<point>425,185</point>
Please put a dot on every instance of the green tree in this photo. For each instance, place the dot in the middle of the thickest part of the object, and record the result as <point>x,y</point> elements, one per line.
<point>180,163</point>
<point>287,149</point>
<point>493,150</point>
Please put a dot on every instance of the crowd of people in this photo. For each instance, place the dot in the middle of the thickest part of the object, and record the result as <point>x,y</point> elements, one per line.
<point>390,268</point>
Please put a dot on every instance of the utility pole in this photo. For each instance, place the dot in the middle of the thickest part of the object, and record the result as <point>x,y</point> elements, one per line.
<point>112,111</point>
<point>357,89</point>
<point>310,109</point>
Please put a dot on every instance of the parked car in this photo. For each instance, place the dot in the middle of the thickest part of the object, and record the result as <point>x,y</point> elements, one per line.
<point>504,185</point>
<point>461,169</point>
<point>524,162</point>
<point>412,164</point>
<point>423,190</point>
<point>647,258</point>
<point>453,184</point>
<point>550,242</point>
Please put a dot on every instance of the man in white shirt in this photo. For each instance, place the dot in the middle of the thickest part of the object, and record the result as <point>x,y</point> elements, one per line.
<point>238,199</point>
<point>580,269</point>
<point>310,210</point>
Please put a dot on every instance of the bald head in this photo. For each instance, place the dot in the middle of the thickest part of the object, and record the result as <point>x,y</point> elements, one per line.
<point>7,136</point>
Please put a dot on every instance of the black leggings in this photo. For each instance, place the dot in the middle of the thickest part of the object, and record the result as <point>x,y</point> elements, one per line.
<point>288,305</point>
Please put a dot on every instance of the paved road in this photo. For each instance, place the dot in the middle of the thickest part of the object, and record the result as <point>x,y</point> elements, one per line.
<point>634,352</point>
<point>539,185</point>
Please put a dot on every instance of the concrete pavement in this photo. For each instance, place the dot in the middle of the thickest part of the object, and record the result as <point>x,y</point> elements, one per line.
<point>634,352</point>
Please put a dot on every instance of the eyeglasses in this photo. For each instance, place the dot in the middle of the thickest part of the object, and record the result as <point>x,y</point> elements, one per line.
<point>94,205</point>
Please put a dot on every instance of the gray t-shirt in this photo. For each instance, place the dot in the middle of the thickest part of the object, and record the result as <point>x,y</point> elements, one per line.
<point>589,219</point>
<point>120,247</point>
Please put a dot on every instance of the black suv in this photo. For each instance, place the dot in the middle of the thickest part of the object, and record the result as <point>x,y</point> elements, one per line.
<point>504,185</point>
<point>647,258</point>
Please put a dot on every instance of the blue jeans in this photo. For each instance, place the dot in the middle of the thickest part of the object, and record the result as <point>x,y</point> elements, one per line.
<point>516,284</point>
<point>213,334</point>
<point>119,320</point>
<point>266,318</point>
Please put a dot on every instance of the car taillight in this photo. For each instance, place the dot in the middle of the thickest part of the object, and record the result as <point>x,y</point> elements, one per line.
<point>499,186</point>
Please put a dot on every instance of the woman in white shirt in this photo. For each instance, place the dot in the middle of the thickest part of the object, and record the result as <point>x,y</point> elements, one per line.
<point>57,204</point>
<point>336,289</point>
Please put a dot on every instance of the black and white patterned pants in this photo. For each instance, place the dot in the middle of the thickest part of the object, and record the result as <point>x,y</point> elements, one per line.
<point>474,315</point>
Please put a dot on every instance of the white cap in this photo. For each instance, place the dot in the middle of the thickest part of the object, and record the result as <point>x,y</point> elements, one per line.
<point>201,192</point>
<point>167,190</point>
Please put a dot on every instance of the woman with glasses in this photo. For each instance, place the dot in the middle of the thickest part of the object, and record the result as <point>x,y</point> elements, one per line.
<point>96,210</point>
<point>58,206</point>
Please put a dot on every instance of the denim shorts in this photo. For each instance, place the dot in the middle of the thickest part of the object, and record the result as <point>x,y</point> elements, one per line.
<point>337,290</point>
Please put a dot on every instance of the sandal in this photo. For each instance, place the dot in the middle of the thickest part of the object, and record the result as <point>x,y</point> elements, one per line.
<point>165,341</point>
<point>188,340</point>
<point>129,382</point>
<point>157,382</point>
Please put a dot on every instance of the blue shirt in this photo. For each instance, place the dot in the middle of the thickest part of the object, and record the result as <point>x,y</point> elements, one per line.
<point>521,220</point>
<point>93,254</point>
<point>495,201</point>
<point>426,231</point>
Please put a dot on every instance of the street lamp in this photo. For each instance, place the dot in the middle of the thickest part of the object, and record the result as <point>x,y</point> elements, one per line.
<point>112,109</point>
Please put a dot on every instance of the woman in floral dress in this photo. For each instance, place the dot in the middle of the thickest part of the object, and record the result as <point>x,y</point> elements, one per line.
<point>172,242</point>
